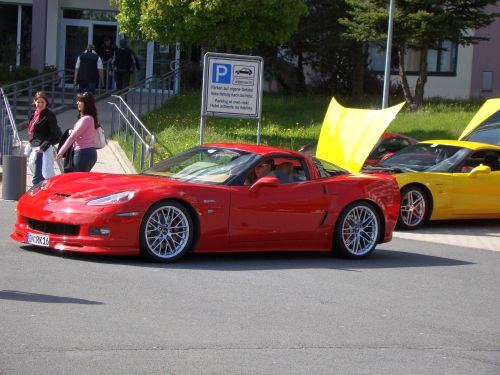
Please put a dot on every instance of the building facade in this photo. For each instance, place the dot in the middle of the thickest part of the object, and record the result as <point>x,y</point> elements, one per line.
<point>454,72</point>
<point>41,33</point>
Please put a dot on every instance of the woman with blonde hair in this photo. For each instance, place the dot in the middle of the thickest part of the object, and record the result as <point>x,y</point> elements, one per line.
<point>43,133</point>
<point>82,136</point>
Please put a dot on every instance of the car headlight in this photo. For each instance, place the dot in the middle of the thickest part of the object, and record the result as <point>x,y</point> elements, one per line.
<point>116,198</point>
<point>38,187</point>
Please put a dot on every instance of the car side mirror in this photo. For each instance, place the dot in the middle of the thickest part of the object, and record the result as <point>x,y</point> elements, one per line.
<point>268,181</point>
<point>480,169</point>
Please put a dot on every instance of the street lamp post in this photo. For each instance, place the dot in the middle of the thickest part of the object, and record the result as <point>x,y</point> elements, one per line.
<point>387,71</point>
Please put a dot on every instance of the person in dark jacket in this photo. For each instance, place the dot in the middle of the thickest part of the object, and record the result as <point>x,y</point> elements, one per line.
<point>88,70</point>
<point>68,155</point>
<point>43,131</point>
<point>124,62</point>
<point>107,53</point>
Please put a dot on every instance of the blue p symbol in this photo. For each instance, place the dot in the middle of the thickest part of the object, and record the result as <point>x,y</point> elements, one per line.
<point>221,73</point>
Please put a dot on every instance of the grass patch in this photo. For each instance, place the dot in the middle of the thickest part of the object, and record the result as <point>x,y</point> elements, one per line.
<point>291,121</point>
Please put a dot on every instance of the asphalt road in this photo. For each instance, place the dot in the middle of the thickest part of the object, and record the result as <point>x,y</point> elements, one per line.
<point>411,308</point>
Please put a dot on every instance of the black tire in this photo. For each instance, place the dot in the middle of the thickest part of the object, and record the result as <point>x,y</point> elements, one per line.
<point>357,231</point>
<point>414,208</point>
<point>167,232</point>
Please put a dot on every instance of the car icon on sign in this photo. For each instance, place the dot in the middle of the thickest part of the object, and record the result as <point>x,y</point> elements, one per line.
<point>246,71</point>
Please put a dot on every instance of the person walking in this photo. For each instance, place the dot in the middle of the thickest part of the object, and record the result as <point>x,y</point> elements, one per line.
<point>124,62</point>
<point>43,132</point>
<point>88,71</point>
<point>107,52</point>
<point>82,137</point>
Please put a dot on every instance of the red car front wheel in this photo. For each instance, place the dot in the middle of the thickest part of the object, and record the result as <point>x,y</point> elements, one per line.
<point>166,232</point>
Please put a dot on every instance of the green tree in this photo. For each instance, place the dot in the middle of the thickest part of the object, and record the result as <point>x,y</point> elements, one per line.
<point>318,43</point>
<point>232,24</point>
<point>421,24</point>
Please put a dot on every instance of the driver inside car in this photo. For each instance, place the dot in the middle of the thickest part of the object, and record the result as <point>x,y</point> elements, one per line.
<point>261,170</point>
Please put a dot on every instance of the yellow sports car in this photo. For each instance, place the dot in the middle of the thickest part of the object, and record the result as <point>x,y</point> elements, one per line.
<point>443,179</point>
<point>446,180</point>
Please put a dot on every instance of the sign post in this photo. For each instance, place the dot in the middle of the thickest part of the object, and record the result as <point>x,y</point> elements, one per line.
<point>232,87</point>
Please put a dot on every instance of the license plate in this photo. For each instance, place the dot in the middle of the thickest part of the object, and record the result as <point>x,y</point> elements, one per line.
<point>38,239</point>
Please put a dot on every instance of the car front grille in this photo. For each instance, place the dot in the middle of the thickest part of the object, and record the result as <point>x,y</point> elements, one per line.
<point>54,228</point>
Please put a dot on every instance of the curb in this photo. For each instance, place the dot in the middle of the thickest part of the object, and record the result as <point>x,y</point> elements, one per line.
<point>121,157</point>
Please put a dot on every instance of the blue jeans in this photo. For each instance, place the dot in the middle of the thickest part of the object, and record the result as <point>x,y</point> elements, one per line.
<point>84,159</point>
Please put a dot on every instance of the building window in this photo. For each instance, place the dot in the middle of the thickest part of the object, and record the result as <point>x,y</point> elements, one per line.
<point>376,57</point>
<point>487,81</point>
<point>87,14</point>
<point>440,61</point>
<point>15,49</point>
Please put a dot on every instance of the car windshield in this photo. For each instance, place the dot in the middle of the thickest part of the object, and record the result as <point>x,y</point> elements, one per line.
<point>204,165</point>
<point>486,133</point>
<point>429,157</point>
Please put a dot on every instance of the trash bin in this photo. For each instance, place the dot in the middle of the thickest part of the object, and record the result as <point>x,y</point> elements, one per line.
<point>14,176</point>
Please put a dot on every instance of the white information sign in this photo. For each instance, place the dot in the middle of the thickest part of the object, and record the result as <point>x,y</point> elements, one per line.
<point>232,85</point>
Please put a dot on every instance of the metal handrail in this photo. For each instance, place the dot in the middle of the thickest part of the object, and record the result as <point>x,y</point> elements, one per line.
<point>131,127</point>
<point>7,144</point>
<point>166,84</point>
<point>20,93</point>
<point>158,87</point>
<point>12,121</point>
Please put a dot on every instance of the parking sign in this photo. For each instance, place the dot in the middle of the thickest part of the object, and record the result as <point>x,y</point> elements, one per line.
<point>232,87</point>
<point>221,73</point>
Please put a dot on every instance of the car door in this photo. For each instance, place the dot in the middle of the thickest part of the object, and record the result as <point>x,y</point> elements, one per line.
<point>476,194</point>
<point>277,212</point>
<point>286,212</point>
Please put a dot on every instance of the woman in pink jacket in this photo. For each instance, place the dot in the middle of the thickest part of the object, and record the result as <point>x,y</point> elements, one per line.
<point>82,136</point>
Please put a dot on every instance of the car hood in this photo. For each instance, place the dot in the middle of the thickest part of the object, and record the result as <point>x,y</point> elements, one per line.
<point>487,112</point>
<point>348,135</point>
<point>90,184</point>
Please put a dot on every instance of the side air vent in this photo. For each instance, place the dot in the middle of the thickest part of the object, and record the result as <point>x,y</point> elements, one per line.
<point>62,195</point>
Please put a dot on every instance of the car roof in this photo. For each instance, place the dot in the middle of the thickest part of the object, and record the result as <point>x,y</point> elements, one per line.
<point>465,144</point>
<point>263,150</point>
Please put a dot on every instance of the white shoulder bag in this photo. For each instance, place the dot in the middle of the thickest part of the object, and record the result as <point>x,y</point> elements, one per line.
<point>99,138</point>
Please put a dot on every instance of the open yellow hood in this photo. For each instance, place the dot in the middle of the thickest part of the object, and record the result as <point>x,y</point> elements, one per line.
<point>489,107</point>
<point>348,135</point>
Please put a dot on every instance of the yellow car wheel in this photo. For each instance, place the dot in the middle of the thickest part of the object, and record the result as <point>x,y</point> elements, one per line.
<point>414,207</point>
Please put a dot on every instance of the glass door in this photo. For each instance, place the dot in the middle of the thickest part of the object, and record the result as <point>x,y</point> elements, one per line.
<point>77,34</point>
<point>74,40</point>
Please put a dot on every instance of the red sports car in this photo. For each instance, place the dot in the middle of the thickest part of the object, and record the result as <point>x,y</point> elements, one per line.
<point>387,145</point>
<point>211,199</point>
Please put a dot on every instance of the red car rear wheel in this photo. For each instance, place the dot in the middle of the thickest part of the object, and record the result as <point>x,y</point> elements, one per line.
<point>357,231</point>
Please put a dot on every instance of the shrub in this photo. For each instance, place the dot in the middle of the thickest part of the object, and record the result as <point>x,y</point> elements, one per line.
<point>12,73</point>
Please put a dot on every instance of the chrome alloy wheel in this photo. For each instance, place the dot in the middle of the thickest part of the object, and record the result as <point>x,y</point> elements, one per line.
<point>167,231</point>
<point>360,230</point>
<point>413,208</point>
